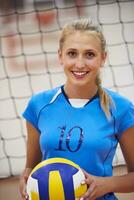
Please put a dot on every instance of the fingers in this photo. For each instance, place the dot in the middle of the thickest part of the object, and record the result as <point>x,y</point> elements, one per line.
<point>24,197</point>
<point>22,188</point>
<point>24,194</point>
<point>88,178</point>
<point>23,183</point>
<point>92,190</point>
<point>90,194</point>
<point>86,174</point>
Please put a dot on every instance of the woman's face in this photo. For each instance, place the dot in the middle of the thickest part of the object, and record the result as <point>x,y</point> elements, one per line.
<point>81,57</point>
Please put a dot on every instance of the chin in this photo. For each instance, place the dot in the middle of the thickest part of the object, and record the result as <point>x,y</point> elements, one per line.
<point>80,83</point>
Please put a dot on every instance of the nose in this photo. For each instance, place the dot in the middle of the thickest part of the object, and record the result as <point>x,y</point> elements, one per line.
<point>80,63</point>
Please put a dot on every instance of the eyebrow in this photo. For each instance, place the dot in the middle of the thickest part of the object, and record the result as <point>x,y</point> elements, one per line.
<point>71,49</point>
<point>86,50</point>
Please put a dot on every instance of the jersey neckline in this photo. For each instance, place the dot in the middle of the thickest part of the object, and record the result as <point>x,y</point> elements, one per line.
<point>89,101</point>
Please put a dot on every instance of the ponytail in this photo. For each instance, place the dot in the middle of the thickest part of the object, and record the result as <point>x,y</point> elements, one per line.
<point>106,101</point>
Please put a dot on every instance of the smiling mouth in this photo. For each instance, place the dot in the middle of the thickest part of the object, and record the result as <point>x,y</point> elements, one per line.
<point>80,74</point>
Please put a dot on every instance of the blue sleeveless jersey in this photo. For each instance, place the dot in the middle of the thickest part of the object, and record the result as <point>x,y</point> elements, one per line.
<point>83,135</point>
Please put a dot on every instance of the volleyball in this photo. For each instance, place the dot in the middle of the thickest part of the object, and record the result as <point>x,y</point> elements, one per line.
<point>56,179</point>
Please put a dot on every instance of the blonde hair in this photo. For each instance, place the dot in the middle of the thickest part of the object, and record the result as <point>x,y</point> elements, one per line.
<point>86,25</point>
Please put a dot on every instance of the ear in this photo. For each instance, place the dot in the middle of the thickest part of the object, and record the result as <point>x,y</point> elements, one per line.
<point>60,56</point>
<point>104,56</point>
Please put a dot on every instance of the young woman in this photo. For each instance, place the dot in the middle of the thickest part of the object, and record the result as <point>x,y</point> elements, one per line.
<point>81,120</point>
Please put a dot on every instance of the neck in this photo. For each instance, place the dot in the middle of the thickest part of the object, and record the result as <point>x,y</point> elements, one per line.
<point>80,92</point>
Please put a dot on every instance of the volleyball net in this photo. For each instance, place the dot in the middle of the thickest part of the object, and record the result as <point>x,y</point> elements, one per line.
<point>29,36</point>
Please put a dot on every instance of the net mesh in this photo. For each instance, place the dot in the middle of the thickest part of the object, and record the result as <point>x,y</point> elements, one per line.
<point>29,35</point>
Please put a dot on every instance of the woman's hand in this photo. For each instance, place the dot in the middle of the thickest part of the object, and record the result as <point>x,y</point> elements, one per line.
<point>23,183</point>
<point>97,187</point>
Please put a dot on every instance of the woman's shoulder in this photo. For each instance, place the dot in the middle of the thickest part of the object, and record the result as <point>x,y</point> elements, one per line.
<point>46,95</point>
<point>41,99</point>
<point>119,100</point>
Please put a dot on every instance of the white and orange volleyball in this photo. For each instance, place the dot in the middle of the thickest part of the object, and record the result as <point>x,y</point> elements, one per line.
<point>56,179</point>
